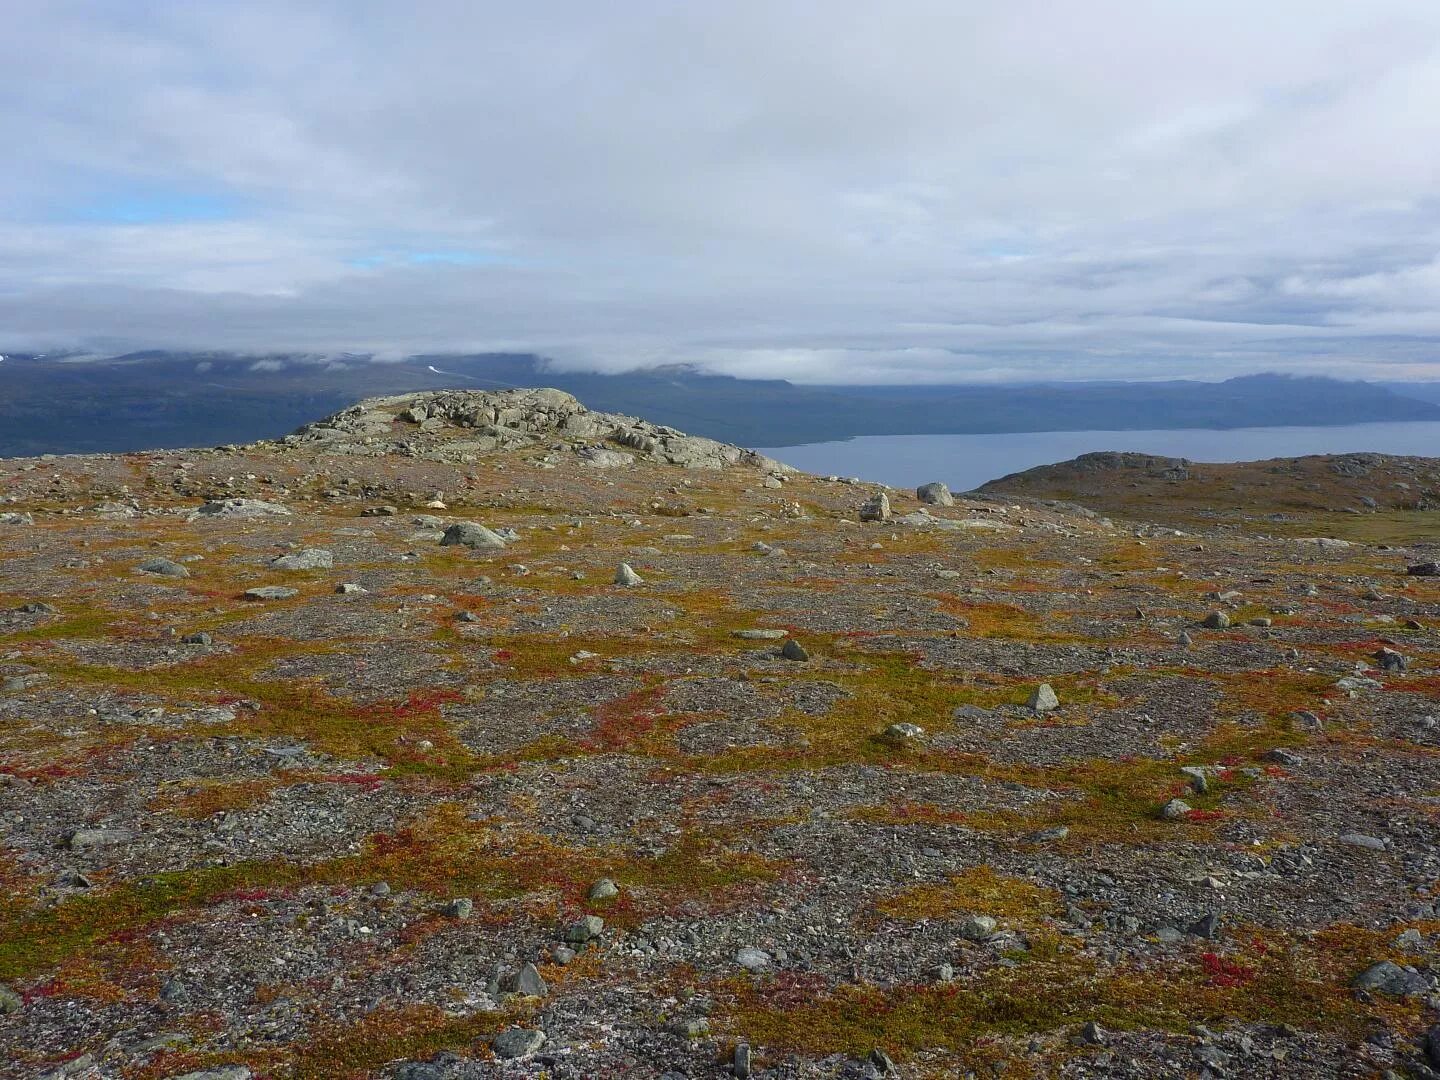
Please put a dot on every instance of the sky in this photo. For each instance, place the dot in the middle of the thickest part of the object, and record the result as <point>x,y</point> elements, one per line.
<point>827,191</point>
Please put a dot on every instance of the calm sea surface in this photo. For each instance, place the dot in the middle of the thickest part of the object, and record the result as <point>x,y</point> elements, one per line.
<point>967,461</point>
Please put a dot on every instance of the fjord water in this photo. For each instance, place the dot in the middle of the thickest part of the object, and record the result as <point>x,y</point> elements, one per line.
<point>965,462</point>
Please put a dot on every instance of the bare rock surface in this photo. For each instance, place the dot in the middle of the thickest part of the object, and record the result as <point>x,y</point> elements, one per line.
<point>967,787</point>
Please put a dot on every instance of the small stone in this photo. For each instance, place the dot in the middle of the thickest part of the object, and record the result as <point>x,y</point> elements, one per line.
<point>308,559</point>
<point>876,508</point>
<point>1043,699</point>
<point>694,1028</point>
<point>935,494</point>
<point>793,650</point>
<point>978,928</point>
<point>1175,809</point>
<point>945,973</point>
<point>1424,569</point>
<point>462,907</point>
<point>1050,835</point>
<point>1360,840</point>
<point>604,889</point>
<point>1432,1045</point>
<point>1410,941</point>
<point>86,839</point>
<point>1390,978</point>
<point>466,617</point>
<point>1216,620</point>
<point>10,1001</point>
<point>882,1062</point>
<point>903,733</point>
<point>1092,1034</point>
<point>1184,640</point>
<point>740,1061</point>
<point>1168,935</point>
<point>1207,926</point>
<point>585,930</point>
<point>562,954</point>
<point>163,568</point>
<point>1281,756</point>
<point>1390,660</point>
<point>1198,780</point>
<point>752,959</point>
<point>528,982</point>
<point>197,639</point>
<point>625,575</point>
<point>349,588</point>
<point>760,635</point>
<point>517,1043</point>
<point>271,592</point>
<point>175,992</point>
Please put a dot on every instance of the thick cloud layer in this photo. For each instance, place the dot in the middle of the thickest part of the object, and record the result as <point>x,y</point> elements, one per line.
<point>839,191</point>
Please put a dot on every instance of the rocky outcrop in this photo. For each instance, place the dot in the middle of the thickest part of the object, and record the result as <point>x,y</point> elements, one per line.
<point>458,424</point>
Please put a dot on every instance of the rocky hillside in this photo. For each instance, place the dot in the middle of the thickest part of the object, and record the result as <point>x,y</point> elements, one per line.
<point>1288,494</point>
<point>471,735</point>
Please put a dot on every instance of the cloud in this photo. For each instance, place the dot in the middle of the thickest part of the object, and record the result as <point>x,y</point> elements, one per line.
<point>917,191</point>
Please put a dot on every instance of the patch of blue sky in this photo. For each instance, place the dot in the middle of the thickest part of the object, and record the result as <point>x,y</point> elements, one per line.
<point>439,257</point>
<point>158,205</point>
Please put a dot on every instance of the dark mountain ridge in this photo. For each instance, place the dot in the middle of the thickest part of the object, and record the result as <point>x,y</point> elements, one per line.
<point>157,399</point>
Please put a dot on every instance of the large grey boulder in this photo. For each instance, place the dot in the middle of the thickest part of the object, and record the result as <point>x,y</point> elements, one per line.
<point>309,559</point>
<point>936,494</point>
<point>163,568</point>
<point>1390,978</point>
<point>472,535</point>
<point>239,508</point>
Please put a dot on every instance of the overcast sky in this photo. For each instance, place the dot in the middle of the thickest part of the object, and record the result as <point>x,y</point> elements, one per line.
<point>830,190</point>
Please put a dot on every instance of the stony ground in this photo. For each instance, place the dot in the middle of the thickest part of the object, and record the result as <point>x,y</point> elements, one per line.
<point>485,812</point>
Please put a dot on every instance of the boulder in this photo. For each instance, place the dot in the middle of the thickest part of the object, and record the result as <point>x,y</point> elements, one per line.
<point>935,493</point>
<point>876,508</point>
<point>472,535</point>
<point>308,559</point>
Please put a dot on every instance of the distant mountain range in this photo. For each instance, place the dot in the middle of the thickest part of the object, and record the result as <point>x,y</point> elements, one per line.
<point>63,404</point>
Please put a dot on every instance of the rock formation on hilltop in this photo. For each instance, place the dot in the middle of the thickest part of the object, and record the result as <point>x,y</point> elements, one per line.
<point>459,425</point>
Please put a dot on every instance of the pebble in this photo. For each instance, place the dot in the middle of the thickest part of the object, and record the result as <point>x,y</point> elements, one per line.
<point>793,650</point>
<point>625,575</point>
